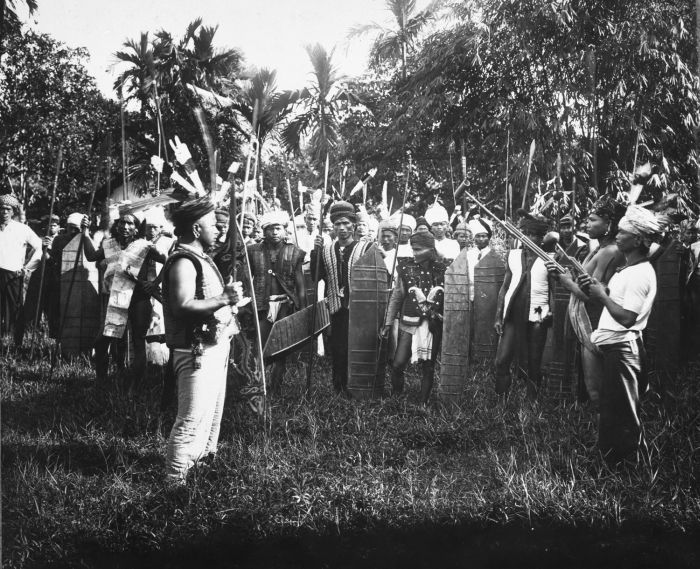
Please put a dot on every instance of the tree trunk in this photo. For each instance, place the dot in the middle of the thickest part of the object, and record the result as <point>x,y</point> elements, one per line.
<point>697,131</point>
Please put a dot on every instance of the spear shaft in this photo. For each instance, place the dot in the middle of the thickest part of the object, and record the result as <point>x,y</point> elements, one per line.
<point>59,160</point>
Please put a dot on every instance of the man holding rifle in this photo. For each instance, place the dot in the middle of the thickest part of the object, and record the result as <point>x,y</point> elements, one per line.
<point>627,303</point>
<point>524,315</point>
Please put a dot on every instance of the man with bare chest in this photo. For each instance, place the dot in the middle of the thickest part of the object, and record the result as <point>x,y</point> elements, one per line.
<point>600,264</point>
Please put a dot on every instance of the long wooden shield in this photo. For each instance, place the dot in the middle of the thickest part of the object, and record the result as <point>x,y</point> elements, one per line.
<point>292,332</point>
<point>663,333</point>
<point>369,293</point>
<point>559,366</point>
<point>456,330</point>
<point>82,312</point>
<point>489,274</point>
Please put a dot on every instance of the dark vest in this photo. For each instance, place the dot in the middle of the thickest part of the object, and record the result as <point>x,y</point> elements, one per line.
<point>261,264</point>
<point>414,275</point>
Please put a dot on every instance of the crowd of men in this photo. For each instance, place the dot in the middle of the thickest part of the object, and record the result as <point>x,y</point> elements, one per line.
<point>167,279</point>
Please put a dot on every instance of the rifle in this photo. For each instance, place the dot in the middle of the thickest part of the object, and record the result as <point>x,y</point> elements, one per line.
<point>512,230</point>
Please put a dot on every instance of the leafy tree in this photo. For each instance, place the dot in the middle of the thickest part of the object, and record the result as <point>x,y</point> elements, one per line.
<point>584,79</point>
<point>47,100</point>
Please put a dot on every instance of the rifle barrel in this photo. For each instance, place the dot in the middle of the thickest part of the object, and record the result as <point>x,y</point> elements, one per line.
<point>514,231</point>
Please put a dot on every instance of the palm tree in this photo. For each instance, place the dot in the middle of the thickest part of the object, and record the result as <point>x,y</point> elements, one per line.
<point>273,106</point>
<point>194,60</point>
<point>319,104</point>
<point>394,42</point>
<point>139,81</point>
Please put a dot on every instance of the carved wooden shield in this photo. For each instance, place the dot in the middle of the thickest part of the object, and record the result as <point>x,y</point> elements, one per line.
<point>559,365</point>
<point>83,311</point>
<point>292,332</point>
<point>663,333</point>
<point>369,293</point>
<point>489,274</point>
<point>456,330</point>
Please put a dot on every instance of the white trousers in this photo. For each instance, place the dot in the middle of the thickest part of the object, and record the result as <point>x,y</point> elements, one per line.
<point>200,405</point>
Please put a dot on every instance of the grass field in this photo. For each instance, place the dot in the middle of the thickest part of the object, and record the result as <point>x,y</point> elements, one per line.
<point>337,483</point>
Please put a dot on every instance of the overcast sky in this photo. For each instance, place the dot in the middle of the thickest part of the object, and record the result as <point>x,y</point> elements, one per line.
<point>271,33</point>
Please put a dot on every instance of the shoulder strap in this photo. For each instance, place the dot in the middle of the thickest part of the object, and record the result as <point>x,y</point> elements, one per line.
<point>199,280</point>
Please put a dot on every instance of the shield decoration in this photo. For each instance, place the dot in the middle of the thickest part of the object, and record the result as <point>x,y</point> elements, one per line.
<point>489,274</point>
<point>369,293</point>
<point>456,330</point>
<point>82,311</point>
<point>292,332</point>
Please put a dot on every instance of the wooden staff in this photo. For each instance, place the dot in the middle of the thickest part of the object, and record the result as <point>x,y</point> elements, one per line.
<point>37,314</point>
<point>317,273</point>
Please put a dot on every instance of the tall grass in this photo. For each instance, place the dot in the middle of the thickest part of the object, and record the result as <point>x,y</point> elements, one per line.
<point>82,465</point>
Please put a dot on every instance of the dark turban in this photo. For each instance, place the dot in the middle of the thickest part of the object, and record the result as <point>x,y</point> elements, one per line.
<point>340,210</point>
<point>189,212</point>
<point>533,224</point>
<point>424,239</point>
<point>566,220</point>
<point>422,221</point>
<point>609,208</point>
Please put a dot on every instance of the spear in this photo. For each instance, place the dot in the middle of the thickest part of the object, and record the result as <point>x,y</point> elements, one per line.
<point>234,232</point>
<point>529,168</point>
<point>291,208</point>
<point>317,251</point>
<point>59,160</point>
<point>78,260</point>
<point>125,166</point>
<point>393,265</point>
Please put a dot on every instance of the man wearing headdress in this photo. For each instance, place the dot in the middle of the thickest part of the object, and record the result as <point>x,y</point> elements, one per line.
<point>278,281</point>
<point>481,231</point>
<point>418,296</point>
<point>20,253</point>
<point>247,223</point>
<point>572,245</point>
<point>199,325</point>
<point>337,260</point>
<point>601,264</point>
<point>408,226</point>
<point>462,235</point>
<point>438,221</point>
<point>627,302</point>
<point>388,237</point>
<point>524,308</point>
<point>127,290</point>
<point>362,225</point>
